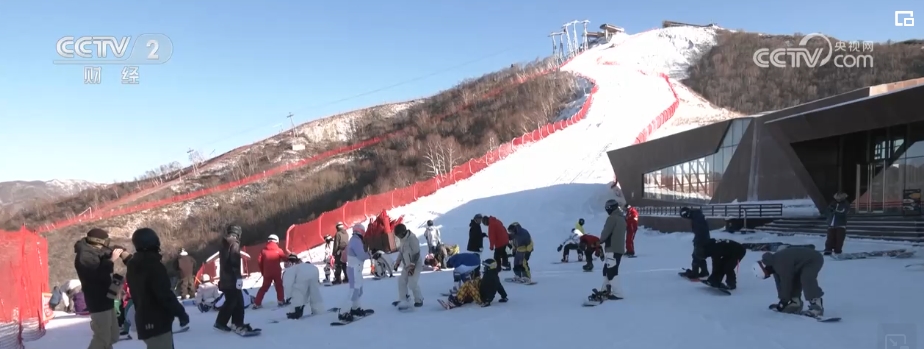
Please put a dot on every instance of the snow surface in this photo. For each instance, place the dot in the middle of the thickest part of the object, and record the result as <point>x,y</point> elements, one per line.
<point>547,187</point>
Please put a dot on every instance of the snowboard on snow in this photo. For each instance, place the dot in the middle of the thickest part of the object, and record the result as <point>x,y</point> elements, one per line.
<point>812,316</point>
<point>720,289</point>
<point>512,280</point>
<point>369,313</point>
<point>683,275</point>
<point>899,253</point>
<point>594,303</point>
<point>307,315</point>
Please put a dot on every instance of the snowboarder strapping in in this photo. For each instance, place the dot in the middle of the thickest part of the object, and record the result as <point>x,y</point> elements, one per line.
<point>795,270</point>
<point>698,268</point>
<point>409,255</point>
<point>725,254</point>
<point>631,229</point>
<point>480,291</point>
<point>589,246</point>
<point>301,287</point>
<point>523,248</point>
<point>571,243</point>
<point>613,237</point>
<point>356,256</point>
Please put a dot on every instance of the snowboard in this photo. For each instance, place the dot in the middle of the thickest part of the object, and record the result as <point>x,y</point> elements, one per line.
<point>307,315</point>
<point>512,280</point>
<point>689,279</point>
<point>590,303</point>
<point>631,256</point>
<point>369,313</point>
<point>816,318</point>
<point>445,304</point>
<point>725,291</point>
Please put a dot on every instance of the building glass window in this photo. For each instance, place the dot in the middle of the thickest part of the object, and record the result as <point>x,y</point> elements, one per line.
<point>695,181</point>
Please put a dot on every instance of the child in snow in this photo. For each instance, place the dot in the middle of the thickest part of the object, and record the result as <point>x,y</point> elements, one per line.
<point>571,243</point>
<point>383,266</point>
<point>795,271</point>
<point>725,254</point>
<point>523,244</point>
<point>480,291</point>
<point>300,282</point>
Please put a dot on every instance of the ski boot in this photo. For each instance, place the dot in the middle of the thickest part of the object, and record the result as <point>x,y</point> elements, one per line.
<point>689,274</point>
<point>564,259</point>
<point>596,297</point>
<point>609,294</point>
<point>816,308</point>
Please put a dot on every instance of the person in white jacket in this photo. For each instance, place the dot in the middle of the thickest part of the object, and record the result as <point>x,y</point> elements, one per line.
<point>207,294</point>
<point>409,255</point>
<point>300,281</point>
<point>571,243</point>
<point>66,293</point>
<point>432,235</point>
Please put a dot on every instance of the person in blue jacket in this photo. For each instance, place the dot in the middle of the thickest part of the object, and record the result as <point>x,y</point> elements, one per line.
<point>465,266</point>
<point>701,238</point>
<point>523,248</point>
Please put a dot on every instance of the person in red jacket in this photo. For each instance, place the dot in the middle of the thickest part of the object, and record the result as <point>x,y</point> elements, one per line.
<point>498,239</point>
<point>269,261</point>
<point>590,246</point>
<point>631,228</point>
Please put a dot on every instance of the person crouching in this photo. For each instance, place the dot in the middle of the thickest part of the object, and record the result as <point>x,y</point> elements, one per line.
<point>300,281</point>
<point>725,254</point>
<point>795,271</point>
<point>207,294</point>
<point>481,290</point>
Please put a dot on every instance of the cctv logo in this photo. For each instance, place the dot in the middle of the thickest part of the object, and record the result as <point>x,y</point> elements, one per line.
<point>904,18</point>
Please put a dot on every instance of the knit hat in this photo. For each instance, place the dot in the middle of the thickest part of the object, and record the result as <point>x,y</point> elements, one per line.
<point>98,236</point>
<point>234,230</point>
<point>358,228</point>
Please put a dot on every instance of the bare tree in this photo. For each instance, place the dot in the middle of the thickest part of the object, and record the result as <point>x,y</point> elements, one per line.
<point>441,155</point>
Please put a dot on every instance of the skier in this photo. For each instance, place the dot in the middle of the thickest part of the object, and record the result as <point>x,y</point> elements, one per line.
<point>186,264</point>
<point>432,234</point>
<point>571,243</point>
<point>480,291</point>
<point>725,254</point>
<point>383,266</point>
<point>328,258</point>
<point>409,255</point>
<point>700,227</point>
<point>341,240</point>
<point>837,224</point>
<point>580,226</point>
<point>498,239</point>
<point>464,266</point>
<point>631,229</point>
<point>589,246</point>
<point>356,256</point>
<point>301,286</point>
<point>795,271</point>
<point>269,263</point>
<point>475,236</point>
<point>207,294</point>
<point>613,238</point>
<point>231,283</point>
<point>523,243</point>
<point>155,304</point>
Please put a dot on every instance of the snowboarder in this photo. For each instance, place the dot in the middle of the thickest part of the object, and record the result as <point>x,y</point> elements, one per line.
<point>356,256</point>
<point>589,246</point>
<point>66,294</point>
<point>580,226</point>
<point>186,264</point>
<point>725,254</point>
<point>341,240</point>
<point>464,266</point>
<point>154,302</point>
<point>523,243</point>
<point>409,255</point>
<point>613,238</point>
<point>480,291</point>
<point>300,281</point>
<point>475,236</point>
<point>698,268</point>
<point>231,284</point>
<point>571,243</point>
<point>432,234</point>
<point>269,263</point>
<point>795,271</point>
<point>383,266</point>
<point>631,229</point>
<point>207,294</point>
<point>837,224</point>
<point>498,239</point>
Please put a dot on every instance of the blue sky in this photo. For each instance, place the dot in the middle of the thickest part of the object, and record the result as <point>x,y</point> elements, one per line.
<point>239,67</point>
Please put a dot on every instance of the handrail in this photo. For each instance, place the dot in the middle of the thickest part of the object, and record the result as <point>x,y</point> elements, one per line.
<point>724,211</point>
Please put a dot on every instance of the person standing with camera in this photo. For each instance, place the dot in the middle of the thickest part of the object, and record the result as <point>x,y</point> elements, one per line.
<point>95,263</point>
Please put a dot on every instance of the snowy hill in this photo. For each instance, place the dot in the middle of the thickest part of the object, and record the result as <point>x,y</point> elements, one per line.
<point>546,187</point>
<point>15,194</point>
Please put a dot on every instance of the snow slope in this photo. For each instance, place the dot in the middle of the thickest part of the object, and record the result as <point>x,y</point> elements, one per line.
<point>547,186</point>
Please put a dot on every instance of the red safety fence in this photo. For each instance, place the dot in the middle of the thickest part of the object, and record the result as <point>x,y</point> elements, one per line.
<point>302,237</point>
<point>96,215</point>
<point>23,280</point>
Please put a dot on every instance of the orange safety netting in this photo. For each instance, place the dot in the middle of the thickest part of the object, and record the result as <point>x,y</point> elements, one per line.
<point>23,280</point>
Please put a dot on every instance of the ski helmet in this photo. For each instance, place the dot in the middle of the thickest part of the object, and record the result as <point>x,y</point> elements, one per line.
<point>401,230</point>
<point>340,226</point>
<point>760,270</point>
<point>514,227</point>
<point>581,222</point>
<point>145,239</point>
<point>206,278</point>
<point>273,238</point>
<point>610,206</point>
<point>293,258</point>
<point>430,223</point>
<point>234,230</point>
<point>489,264</point>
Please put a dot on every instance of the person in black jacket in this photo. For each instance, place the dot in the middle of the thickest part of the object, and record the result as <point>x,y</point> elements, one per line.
<point>94,263</point>
<point>230,283</point>
<point>154,302</point>
<point>341,239</point>
<point>475,236</point>
<point>701,237</point>
<point>726,255</point>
